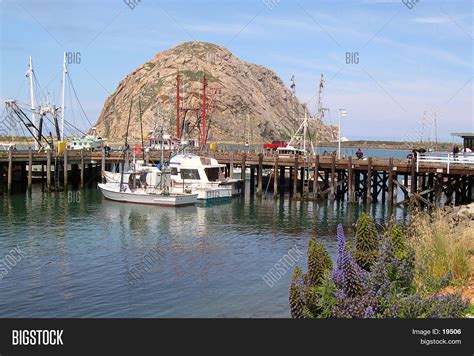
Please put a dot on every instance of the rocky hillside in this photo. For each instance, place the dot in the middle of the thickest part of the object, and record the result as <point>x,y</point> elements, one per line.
<point>251,100</point>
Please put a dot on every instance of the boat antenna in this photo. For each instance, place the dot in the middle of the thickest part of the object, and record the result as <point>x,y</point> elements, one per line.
<point>126,144</point>
<point>141,126</point>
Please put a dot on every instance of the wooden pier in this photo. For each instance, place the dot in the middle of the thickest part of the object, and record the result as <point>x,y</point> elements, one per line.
<point>311,177</point>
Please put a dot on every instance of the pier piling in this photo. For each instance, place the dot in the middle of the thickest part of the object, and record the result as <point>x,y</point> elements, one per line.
<point>350,181</point>
<point>333,178</point>
<point>295,178</point>
<point>231,166</point>
<point>10,170</point>
<point>48,169</point>
<point>82,169</point>
<point>65,169</point>
<point>316,176</point>
<point>30,169</point>
<point>390,182</point>
<point>242,172</point>
<point>275,176</point>
<point>102,166</point>
<point>260,174</point>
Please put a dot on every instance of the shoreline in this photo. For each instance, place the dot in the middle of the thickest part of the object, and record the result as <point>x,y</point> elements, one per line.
<point>362,144</point>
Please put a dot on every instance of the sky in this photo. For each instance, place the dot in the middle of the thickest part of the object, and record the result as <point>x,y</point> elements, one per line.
<point>385,62</point>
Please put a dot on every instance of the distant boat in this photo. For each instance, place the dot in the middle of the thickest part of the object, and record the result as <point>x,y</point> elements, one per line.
<point>89,142</point>
<point>290,151</point>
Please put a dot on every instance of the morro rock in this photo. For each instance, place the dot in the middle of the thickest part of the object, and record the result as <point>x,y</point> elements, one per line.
<point>246,101</point>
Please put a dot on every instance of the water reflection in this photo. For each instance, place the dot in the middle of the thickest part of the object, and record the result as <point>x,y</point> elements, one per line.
<point>80,252</point>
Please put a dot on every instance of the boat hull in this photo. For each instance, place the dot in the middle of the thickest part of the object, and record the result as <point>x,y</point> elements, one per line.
<point>173,200</point>
<point>207,193</point>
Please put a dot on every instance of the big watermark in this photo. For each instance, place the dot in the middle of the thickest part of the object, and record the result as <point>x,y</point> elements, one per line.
<point>283,265</point>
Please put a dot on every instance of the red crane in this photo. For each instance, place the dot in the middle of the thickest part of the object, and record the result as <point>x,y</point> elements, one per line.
<point>205,108</point>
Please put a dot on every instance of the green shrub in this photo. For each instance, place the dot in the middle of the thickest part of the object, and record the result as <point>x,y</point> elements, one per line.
<point>366,242</point>
<point>304,289</point>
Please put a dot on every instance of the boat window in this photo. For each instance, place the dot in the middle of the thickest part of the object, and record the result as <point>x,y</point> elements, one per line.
<point>174,171</point>
<point>190,174</point>
<point>212,174</point>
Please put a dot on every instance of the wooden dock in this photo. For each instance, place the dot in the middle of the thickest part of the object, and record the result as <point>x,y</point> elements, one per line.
<point>336,179</point>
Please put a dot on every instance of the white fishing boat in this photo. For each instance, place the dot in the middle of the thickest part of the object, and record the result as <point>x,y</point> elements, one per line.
<point>137,166</point>
<point>203,176</point>
<point>146,188</point>
<point>290,151</point>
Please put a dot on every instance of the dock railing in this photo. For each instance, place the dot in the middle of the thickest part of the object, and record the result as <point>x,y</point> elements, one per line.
<point>447,158</point>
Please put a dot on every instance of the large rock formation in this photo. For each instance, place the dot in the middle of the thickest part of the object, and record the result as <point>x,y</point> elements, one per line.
<point>251,100</point>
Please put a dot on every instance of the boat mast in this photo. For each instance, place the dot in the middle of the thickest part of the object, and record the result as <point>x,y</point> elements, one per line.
<point>141,126</point>
<point>126,145</point>
<point>203,113</point>
<point>178,107</point>
<point>63,108</point>
<point>293,96</point>
<point>305,129</point>
<point>32,101</point>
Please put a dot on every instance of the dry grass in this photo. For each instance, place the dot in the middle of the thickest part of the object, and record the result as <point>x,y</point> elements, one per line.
<point>441,246</point>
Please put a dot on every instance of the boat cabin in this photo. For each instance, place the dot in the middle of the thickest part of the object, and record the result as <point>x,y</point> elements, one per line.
<point>290,151</point>
<point>195,168</point>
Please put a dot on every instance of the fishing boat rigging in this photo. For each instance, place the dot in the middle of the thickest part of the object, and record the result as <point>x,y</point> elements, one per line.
<point>40,116</point>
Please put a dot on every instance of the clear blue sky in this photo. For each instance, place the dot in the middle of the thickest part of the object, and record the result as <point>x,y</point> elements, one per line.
<point>410,60</point>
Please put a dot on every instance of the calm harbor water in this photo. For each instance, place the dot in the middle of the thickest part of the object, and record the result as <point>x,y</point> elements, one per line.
<point>79,249</point>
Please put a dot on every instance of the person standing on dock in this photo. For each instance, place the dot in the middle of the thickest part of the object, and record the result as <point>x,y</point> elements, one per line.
<point>455,152</point>
<point>359,154</point>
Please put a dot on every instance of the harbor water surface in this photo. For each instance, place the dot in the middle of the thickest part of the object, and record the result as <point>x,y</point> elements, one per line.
<point>208,260</point>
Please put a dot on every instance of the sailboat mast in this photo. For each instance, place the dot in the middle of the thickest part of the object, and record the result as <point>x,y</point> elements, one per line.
<point>32,101</point>
<point>126,145</point>
<point>141,126</point>
<point>63,108</point>
<point>305,129</point>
